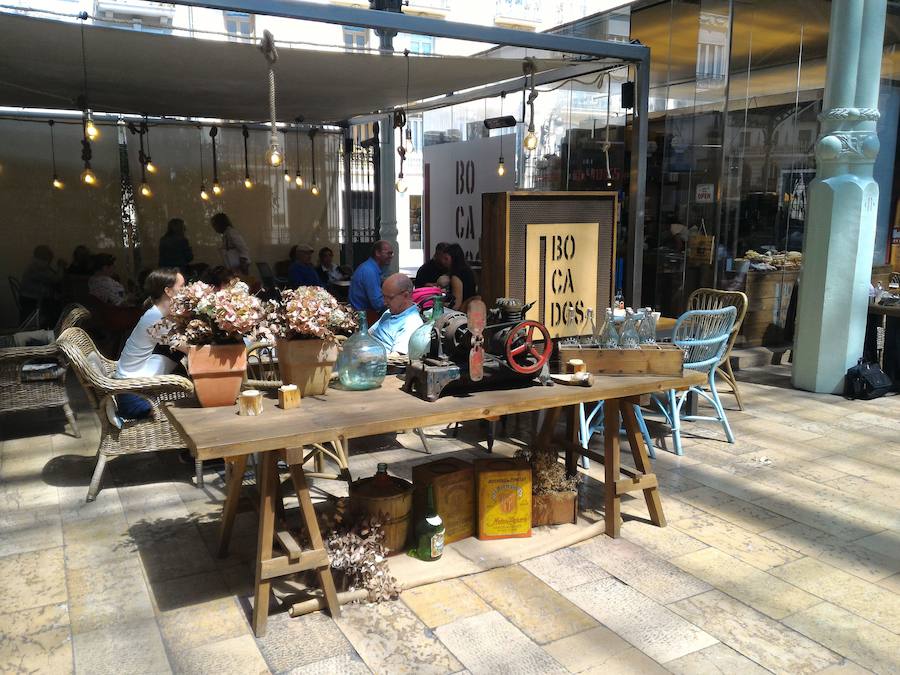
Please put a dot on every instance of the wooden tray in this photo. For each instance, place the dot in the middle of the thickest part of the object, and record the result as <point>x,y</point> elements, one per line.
<point>658,359</point>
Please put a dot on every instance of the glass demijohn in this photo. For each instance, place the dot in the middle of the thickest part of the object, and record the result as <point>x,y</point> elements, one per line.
<point>362,363</point>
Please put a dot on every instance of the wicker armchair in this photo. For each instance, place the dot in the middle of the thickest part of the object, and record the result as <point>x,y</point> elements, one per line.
<point>149,434</point>
<point>711,298</point>
<point>262,367</point>
<point>23,388</point>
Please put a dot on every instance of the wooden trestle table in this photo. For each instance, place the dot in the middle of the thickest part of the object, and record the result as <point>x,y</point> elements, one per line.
<point>214,433</point>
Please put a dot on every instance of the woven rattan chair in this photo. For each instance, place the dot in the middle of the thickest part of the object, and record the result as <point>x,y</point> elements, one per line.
<point>711,298</point>
<point>26,385</point>
<point>149,434</point>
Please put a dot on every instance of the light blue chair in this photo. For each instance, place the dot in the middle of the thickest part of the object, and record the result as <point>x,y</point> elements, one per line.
<point>703,335</point>
<point>592,423</point>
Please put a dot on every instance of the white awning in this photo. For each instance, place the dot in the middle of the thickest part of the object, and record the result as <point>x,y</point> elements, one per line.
<point>166,75</point>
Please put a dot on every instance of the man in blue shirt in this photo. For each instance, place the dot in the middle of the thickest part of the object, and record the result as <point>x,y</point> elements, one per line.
<point>401,318</point>
<point>301,272</point>
<point>365,284</point>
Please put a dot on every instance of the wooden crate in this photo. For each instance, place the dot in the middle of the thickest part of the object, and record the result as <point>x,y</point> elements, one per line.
<point>658,359</point>
<point>556,508</point>
<point>453,482</point>
<point>504,498</point>
<point>768,297</point>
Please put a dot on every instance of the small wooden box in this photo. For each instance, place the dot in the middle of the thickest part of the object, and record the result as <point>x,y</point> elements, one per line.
<point>453,482</point>
<point>555,508</point>
<point>504,498</point>
<point>658,359</point>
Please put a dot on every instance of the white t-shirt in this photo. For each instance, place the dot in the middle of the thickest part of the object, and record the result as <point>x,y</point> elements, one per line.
<point>233,249</point>
<point>138,359</point>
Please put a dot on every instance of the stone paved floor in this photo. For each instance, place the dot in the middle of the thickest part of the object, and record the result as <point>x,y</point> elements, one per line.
<point>782,554</point>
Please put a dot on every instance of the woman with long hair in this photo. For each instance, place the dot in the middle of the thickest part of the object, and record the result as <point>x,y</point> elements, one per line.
<point>139,356</point>
<point>462,279</point>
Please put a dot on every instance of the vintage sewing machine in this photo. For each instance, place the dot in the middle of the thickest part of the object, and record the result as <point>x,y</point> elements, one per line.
<point>481,349</point>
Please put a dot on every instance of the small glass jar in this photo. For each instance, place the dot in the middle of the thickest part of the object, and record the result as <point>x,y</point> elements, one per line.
<point>362,363</point>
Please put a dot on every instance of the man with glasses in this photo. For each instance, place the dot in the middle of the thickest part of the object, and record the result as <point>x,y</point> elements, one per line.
<point>401,318</point>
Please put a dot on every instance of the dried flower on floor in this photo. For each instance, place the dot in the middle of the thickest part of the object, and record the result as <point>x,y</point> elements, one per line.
<point>548,475</point>
<point>357,550</point>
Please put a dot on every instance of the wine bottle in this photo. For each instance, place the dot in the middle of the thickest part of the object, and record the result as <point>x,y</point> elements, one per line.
<point>430,531</point>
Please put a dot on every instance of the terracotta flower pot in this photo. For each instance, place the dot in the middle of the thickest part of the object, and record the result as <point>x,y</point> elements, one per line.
<point>217,372</point>
<point>307,363</point>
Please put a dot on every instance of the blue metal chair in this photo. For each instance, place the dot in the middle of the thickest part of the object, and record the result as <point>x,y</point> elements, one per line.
<point>592,423</point>
<point>703,335</point>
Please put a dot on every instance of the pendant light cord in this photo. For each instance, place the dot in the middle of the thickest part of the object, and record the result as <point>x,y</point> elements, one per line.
<point>83,16</point>
<point>200,128</point>
<point>52,148</point>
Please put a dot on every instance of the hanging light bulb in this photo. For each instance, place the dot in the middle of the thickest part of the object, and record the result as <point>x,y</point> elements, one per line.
<point>151,167</point>
<point>57,183</point>
<point>247,182</point>
<point>531,141</point>
<point>204,195</point>
<point>298,179</point>
<point>408,141</point>
<point>87,176</point>
<point>217,189</point>
<point>273,154</point>
<point>400,184</point>
<point>146,191</point>
<point>312,148</point>
<point>287,176</point>
<point>501,167</point>
<point>315,190</point>
<point>92,132</point>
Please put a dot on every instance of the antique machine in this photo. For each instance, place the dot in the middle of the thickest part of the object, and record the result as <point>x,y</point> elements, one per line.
<point>481,350</point>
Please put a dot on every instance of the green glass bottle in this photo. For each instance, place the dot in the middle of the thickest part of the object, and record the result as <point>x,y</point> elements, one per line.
<point>420,340</point>
<point>430,531</point>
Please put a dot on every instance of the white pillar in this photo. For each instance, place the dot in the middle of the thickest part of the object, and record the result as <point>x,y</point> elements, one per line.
<point>840,226</point>
<point>388,193</point>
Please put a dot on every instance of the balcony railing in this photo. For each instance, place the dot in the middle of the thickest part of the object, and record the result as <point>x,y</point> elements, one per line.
<point>143,11</point>
<point>518,13</point>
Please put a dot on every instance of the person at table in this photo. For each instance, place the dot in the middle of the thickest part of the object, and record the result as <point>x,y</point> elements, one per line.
<point>301,272</point>
<point>365,284</point>
<point>328,272</point>
<point>174,247</point>
<point>401,318</point>
<point>462,279</point>
<point>103,285</point>
<point>235,254</point>
<point>140,356</point>
<point>434,269</point>
<point>82,262</point>
<point>40,285</point>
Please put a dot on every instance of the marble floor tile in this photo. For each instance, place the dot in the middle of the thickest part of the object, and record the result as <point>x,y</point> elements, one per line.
<point>748,584</point>
<point>665,542</point>
<point>819,515</point>
<point>743,514</point>
<point>564,568</point>
<point>756,637</point>
<point>443,602</point>
<point>91,542</point>
<point>858,560</point>
<point>73,507</point>
<point>859,640</point>
<point>487,644</point>
<point>205,611</point>
<point>32,579</point>
<point>29,529</point>
<point>295,643</point>
<point>334,665</point>
<point>892,584</point>
<point>535,608</point>
<point>125,649</point>
<point>235,655</point>
<point>871,602</point>
<point>107,595</point>
<point>27,494</point>
<point>390,639</point>
<point>594,647</point>
<point>654,577</point>
<point>36,640</point>
<point>727,537</point>
<point>886,543</point>
<point>719,659</point>
<point>646,624</point>
<point>727,482</point>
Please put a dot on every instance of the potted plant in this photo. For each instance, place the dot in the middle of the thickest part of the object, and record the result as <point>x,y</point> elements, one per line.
<point>554,499</point>
<point>310,323</point>
<point>212,326</point>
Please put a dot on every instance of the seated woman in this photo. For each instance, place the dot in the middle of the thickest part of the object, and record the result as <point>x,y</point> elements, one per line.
<point>102,285</point>
<point>139,357</point>
<point>462,279</point>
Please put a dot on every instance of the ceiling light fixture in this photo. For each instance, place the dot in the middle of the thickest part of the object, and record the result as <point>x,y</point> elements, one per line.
<point>204,195</point>
<point>91,132</point>
<point>314,188</point>
<point>247,182</point>
<point>151,167</point>
<point>530,142</point>
<point>501,166</point>
<point>55,181</point>
<point>298,179</point>
<point>400,184</point>
<point>216,187</point>
<point>274,155</point>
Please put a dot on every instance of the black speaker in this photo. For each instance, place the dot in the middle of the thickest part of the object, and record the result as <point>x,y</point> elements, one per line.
<point>627,95</point>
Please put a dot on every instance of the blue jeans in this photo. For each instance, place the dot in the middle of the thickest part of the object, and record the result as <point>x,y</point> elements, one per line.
<point>132,406</point>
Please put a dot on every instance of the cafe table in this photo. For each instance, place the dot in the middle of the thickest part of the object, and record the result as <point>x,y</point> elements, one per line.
<point>220,433</point>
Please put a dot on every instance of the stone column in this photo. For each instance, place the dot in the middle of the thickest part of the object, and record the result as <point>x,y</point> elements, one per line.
<point>840,226</point>
<point>388,192</point>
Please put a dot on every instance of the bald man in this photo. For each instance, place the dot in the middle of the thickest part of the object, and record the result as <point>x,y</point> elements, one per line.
<point>394,328</point>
